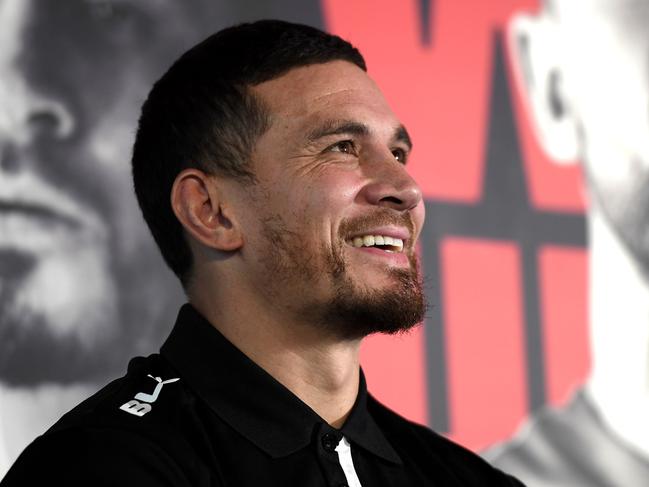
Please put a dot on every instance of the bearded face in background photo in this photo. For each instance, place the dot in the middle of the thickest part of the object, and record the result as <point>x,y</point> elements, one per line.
<point>585,67</point>
<point>586,70</point>
<point>75,261</point>
<point>82,286</point>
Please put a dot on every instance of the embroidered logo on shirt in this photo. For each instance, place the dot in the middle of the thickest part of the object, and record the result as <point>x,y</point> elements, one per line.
<point>137,408</point>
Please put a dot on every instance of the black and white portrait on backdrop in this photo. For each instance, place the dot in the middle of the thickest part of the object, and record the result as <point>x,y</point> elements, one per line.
<point>82,286</point>
<point>585,68</point>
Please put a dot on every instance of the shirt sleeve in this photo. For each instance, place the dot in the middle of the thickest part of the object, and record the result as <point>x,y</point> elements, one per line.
<point>97,457</point>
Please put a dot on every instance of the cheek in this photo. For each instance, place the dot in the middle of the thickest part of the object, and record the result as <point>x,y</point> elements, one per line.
<point>340,186</point>
<point>609,88</point>
<point>419,215</point>
<point>319,219</point>
<point>109,149</point>
<point>330,198</point>
<point>314,206</point>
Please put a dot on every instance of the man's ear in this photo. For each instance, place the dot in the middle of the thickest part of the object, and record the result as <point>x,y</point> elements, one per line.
<point>535,45</point>
<point>198,203</point>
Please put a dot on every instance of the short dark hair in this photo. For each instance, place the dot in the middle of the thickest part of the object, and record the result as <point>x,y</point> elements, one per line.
<point>201,114</point>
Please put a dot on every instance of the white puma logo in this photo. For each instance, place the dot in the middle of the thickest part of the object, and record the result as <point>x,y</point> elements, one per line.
<point>156,392</point>
<point>135,407</point>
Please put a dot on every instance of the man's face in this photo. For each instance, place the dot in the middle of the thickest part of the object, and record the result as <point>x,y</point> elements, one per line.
<point>605,46</point>
<point>331,171</point>
<point>78,270</point>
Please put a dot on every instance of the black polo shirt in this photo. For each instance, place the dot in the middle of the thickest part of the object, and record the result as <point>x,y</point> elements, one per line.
<point>201,413</point>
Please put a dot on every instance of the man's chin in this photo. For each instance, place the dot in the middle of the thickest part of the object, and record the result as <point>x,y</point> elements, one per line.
<point>57,319</point>
<point>38,357</point>
<point>392,307</point>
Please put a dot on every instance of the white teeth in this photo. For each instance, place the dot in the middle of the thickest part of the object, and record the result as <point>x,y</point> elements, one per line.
<point>371,240</point>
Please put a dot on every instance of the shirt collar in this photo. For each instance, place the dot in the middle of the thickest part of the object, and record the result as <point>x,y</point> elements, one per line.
<point>251,400</point>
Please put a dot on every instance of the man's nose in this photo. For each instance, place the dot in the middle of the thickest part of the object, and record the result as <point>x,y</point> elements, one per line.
<point>392,187</point>
<point>26,114</point>
<point>27,118</point>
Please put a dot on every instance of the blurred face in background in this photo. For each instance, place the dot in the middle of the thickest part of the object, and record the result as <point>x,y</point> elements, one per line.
<point>607,82</point>
<point>79,274</point>
<point>586,67</point>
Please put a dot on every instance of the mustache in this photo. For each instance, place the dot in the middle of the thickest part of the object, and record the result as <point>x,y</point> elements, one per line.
<point>379,217</point>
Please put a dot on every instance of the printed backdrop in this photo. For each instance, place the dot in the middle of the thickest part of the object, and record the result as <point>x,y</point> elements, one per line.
<point>503,249</point>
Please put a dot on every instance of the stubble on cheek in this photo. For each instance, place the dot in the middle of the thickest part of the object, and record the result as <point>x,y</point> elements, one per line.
<point>355,313</point>
<point>286,257</point>
<point>294,270</point>
<point>62,311</point>
<point>297,273</point>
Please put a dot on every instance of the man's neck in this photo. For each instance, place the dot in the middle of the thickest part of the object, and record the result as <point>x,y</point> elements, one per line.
<point>319,369</point>
<point>619,318</point>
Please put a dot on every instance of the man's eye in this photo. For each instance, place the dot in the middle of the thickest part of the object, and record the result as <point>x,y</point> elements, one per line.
<point>344,146</point>
<point>400,155</point>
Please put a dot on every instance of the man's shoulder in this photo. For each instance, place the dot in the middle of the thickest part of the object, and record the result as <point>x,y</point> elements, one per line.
<point>419,444</point>
<point>131,429</point>
<point>151,394</point>
<point>569,445</point>
<point>98,455</point>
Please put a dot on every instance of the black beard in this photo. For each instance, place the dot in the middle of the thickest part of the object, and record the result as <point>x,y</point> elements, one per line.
<point>33,353</point>
<point>353,314</point>
<point>36,356</point>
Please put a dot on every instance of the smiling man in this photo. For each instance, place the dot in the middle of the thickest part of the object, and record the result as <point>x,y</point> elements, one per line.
<point>271,172</point>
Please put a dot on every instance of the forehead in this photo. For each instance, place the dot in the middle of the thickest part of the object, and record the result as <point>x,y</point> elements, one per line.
<point>153,8</point>
<point>337,88</point>
<point>604,33</point>
<point>101,41</point>
<point>625,13</point>
<point>110,19</point>
<point>90,10</point>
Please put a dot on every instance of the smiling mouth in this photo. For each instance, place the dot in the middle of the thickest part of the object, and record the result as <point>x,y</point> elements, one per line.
<point>382,242</point>
<point>38,212</point>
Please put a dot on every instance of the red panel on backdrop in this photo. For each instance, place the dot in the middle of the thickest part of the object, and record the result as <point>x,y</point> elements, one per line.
<point>395,368</point>
<point>438,92</point>
<point>441,91</point>
<point>484,332</point>
<point>563,275</point>
<point>396,372</point>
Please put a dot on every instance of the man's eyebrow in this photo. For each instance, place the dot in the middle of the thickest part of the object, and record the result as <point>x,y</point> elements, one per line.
<point>401,135</point>
<point>339,127</point>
